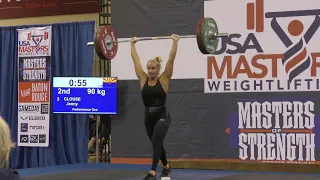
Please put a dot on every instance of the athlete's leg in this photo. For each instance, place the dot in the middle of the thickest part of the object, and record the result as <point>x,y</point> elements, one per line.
<point>159,133</point>
<point>149,129</point>
<point>149,122</point>
<point>163,156</point>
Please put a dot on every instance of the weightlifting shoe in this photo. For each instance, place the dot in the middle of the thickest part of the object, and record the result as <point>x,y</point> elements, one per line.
<point>165,172</point>
<point>150,177</point>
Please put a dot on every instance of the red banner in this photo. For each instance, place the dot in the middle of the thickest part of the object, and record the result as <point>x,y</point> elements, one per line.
<point>33,8</point>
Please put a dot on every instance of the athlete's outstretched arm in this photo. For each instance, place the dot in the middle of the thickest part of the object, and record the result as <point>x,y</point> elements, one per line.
<point>136,60</point>
<point>168,71</point>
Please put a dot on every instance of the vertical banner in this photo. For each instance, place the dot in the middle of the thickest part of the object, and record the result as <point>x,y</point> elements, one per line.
<point>34,55</point>
<point>274,58</point>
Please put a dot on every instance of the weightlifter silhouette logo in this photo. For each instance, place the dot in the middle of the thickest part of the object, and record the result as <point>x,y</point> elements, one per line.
<point>296,58</point>
<point>37,39</point>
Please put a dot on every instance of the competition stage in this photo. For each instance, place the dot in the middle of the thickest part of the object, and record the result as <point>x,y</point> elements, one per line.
<point>104,171</point>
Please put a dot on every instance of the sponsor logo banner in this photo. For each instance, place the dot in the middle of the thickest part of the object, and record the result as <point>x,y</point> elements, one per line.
<point>34,69</point>
<point>34,55</point>
<point>34,91</point>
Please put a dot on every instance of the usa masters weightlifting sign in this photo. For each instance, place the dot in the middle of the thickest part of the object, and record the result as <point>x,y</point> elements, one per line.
<point>33,8</point>
<point>272,49</point>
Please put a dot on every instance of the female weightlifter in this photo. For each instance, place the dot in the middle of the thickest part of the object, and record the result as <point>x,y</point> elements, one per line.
<point>5,146</point>
<point>154,89</point>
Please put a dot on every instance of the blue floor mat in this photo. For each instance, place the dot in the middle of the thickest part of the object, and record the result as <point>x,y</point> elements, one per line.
<point>137,172</point>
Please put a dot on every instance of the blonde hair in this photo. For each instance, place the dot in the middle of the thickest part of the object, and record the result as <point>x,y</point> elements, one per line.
<point>5,142</point>
<point>156,60</point>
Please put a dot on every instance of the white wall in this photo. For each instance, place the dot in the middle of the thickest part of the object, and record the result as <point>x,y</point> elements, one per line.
<point>49,19</point>
<point>189,62</point>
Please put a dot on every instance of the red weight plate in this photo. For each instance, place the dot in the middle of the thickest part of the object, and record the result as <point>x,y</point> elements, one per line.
<point>199,36</point>
<point>105,51</point>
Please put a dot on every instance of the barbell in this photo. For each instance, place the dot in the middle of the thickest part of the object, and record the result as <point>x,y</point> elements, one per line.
<point>207,35</point>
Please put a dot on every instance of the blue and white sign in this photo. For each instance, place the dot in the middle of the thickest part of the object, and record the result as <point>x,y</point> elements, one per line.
<point>85,95</point>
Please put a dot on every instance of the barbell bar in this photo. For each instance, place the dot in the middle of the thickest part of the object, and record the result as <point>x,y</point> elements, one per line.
<point>207,35</point>
<point>160,37</point>
<point>142,39</point>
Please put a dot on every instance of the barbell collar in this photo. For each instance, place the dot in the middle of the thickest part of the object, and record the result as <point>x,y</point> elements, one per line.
<point>222,35</point>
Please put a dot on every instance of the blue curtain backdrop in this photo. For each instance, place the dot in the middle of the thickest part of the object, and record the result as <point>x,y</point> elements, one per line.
<point>70,57</point>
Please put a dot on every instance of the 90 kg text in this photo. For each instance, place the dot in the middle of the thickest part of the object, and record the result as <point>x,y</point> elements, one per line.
<point>97,91</point>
